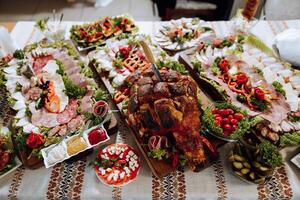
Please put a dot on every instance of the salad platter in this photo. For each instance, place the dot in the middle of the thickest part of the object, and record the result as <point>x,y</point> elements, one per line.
<point>53,96</point>
<point>184,33</point>
<point>137,93</point>
<point>90,35</point>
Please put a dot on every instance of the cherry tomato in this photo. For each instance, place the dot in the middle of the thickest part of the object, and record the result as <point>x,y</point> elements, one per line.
<point>234,127</point>
<point>217,115</point>
<point>223,112</point>
<point>238,116</point>
<point>219,119</point>
<point>234,121</point>
<point>227,127</point>
<point>230,111</point>
<point>214,110</point>
<point>218,122</point>
<point>230,117</point>
<point>225,121</point>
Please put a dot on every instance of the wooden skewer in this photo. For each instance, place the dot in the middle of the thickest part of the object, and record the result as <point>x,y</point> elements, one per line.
<point>151,59</point>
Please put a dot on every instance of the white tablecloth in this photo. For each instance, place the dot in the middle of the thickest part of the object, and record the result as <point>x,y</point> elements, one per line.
<point>77,180</point>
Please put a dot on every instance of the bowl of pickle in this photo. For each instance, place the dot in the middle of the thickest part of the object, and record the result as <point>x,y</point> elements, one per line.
<point>254,163</point>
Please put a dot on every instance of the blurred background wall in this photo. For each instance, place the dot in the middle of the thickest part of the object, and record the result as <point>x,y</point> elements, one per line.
<point>142,10</point>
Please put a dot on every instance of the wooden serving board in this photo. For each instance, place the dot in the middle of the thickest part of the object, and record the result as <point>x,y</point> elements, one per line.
<point>159,168</point>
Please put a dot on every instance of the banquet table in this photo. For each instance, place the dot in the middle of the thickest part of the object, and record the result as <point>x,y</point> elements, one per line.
<point>78,180</point>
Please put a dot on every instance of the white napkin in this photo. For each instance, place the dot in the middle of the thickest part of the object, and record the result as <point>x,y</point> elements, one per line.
<point>288,45</point>
<point>7,45</point>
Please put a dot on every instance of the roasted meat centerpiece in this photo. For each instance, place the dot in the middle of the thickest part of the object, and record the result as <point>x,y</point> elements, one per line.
<point>167,109</point>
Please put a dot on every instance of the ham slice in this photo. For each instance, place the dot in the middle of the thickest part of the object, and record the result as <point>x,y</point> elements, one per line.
<point>79,80</point>
<point>40,62</point>
<point>44,118</point>
<point>87,103</point>
<point>69,113</point>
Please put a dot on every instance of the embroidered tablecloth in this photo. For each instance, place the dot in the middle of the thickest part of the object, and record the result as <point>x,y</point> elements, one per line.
<point>78,181</point>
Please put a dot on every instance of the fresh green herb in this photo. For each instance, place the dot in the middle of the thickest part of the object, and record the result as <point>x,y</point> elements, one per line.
<point>182,160</point>
<point>215,66</point>
<point>18,87</point>
<point>100,94</point>
<point>163,54</point>
<point>239,48</point>
<point>241,98</point>
<point>51,140</point>
<point>90,116</point>
<point>105,163</point>
<point>225,43</point>
<point>20,142</point>
<point>208,120</point>
<point>197,66</point>
<point>11,101</point>
<point>270,154</point>
<point>61,69</point>
<point>240,38</point>
<point>157,154</point>
<point>122,36</point>
<point>27,112</point>
<point>39,103</point>
<point>289,139</point>
<point>133,42</point>
<point>19,54</point>
<point>42,23</point>
<point>37,153</point>
<point>30,47</point>
<point>259,71</point>
<point>87,72</point>
<point>262,104</point>
<point>180,40</point>
<point>278,87</point>
<point>171,64</point>
<point>118,63</point>
<point>72,89</point>
<point>44,130</point>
